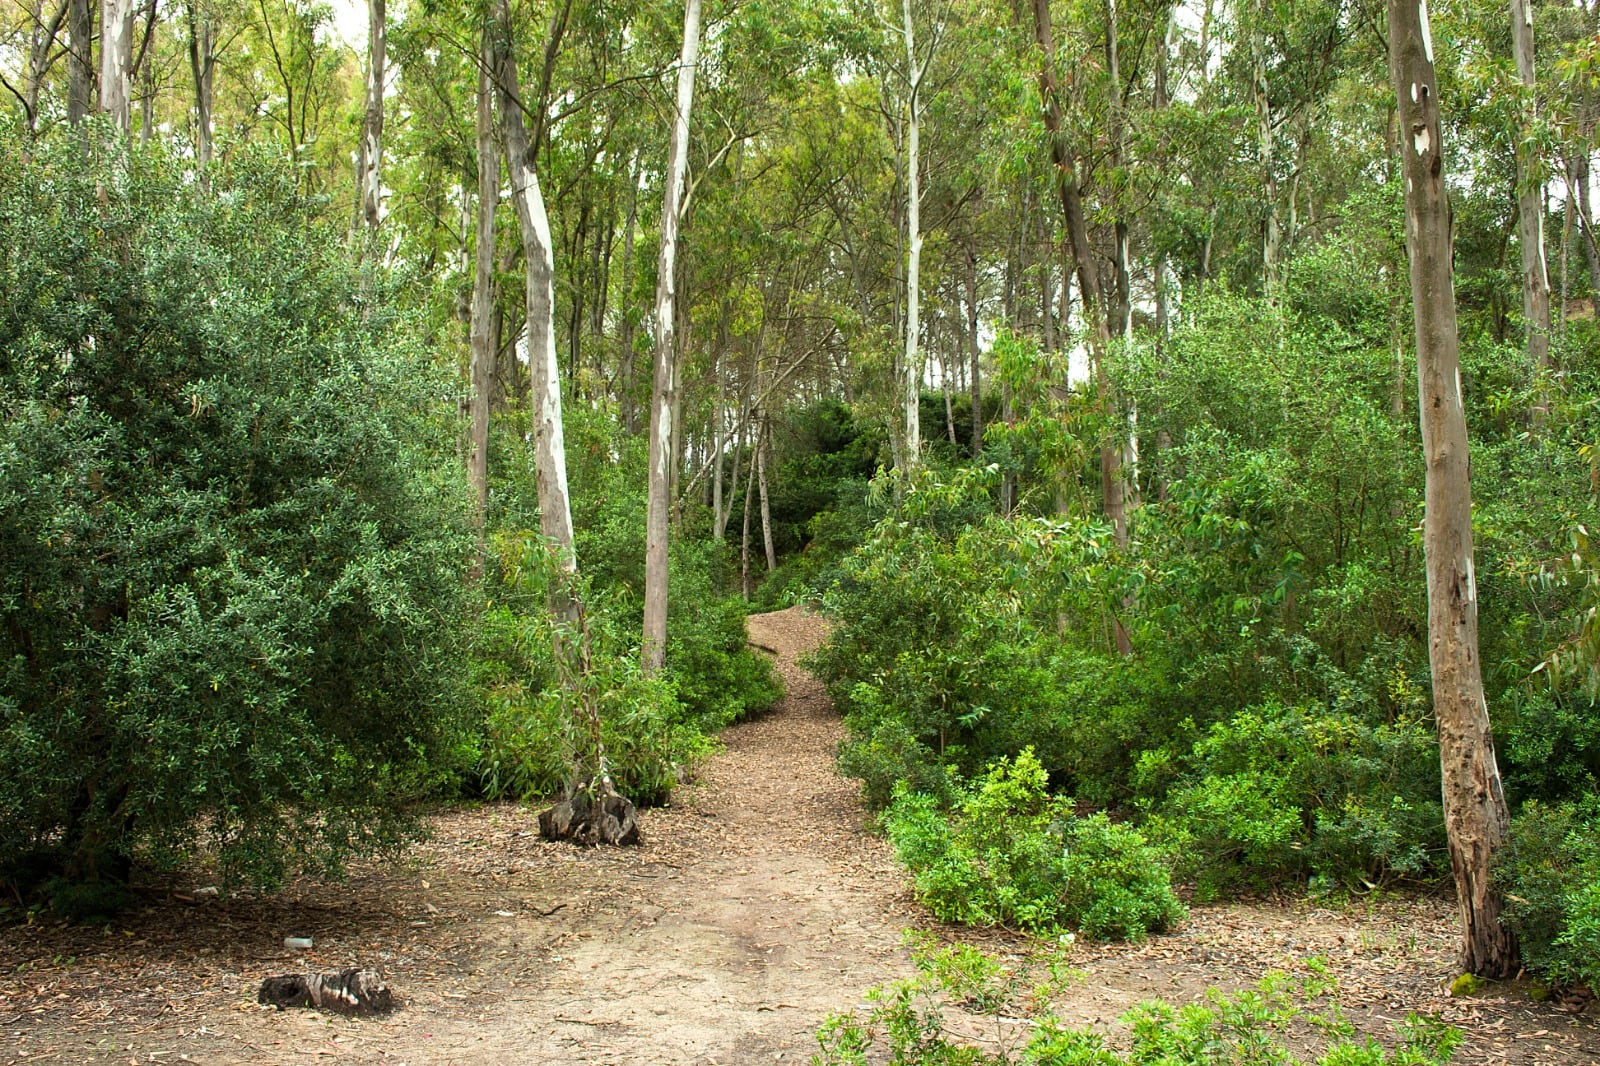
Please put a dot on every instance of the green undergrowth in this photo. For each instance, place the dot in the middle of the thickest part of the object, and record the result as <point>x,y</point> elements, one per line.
<point>1006,852</point>
<point>1003,1015</point>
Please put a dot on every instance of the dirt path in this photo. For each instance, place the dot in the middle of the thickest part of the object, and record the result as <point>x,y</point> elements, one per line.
<point>756,906</point>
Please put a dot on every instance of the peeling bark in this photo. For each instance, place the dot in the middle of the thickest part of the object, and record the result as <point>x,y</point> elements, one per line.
<point>1476,817</point>
<point>116,62</point>
<point>555,509</point>
<point>369,167</point>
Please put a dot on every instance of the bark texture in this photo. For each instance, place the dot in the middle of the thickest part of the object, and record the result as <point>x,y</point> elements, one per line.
<point>369,167</point>
<point>202,67</point>
<point>116,61</point>
<point>1530,199</point>
<point>1476,819</point>
<point>80,78</point>
<point>555,508</point>
<point>664,384</point>
<point>483,338</point>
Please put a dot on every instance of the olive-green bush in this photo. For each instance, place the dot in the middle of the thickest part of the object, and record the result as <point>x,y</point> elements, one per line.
<point>233,532</point>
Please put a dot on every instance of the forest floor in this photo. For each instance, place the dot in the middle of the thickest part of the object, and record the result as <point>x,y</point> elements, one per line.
<point>758,904</point>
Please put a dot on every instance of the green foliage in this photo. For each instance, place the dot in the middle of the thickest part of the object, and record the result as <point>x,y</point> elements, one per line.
<point>1281,791</point>
<point>1550,875</point>
<point>1008,853</point>
<point>653,729</point>
<point>949,649</point>
<point>909,1023</point>
<point>233,533</point>
<point>536,732</point>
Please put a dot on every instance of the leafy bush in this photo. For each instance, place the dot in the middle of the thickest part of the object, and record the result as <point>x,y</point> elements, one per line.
<point>1011,854</point>
<point>1550,874</point>
<point>234,542</point>
<point>1280,790</point>
<point>909,1023</point>
<point>536,725</point>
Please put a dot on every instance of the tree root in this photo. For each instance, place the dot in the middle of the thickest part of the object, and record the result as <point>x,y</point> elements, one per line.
<point>591,813</point>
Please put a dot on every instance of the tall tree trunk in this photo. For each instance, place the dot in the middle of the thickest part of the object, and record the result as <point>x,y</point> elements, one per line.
<point>763,446</point>
<point>368,169</point>
<point>1271,236</point>
<point>116,62</point>
<point>80,45</point>
<point>744,542</point>
<point>1578,184</point>
<point>1111,494</point>
<point>483,338</point>
<point>911,385</point>
<point>946,380</point>
<point>1530,202</point>
<point>144,72</point>
<point>202,66</point>
<point>1476,818</point>
<point>718,428</point>
<point>625,357</point>
<point>555,508</point>
<point>974,385</point>
<point>662,441</point>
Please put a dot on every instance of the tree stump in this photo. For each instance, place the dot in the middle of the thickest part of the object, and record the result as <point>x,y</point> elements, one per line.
<point>348,992</point>
<point>591,813</point>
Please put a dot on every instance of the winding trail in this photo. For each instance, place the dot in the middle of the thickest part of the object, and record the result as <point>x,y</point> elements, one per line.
<point>766,907</point>
<point>756,906</point>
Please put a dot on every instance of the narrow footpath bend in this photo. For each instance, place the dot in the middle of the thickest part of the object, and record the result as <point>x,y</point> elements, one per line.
<point>782,908</point>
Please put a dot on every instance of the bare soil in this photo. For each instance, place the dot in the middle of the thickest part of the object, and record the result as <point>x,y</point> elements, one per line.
<point>758,904</point>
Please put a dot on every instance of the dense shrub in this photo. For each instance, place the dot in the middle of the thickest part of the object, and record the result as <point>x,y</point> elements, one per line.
<point>1283,791</point>
<point>653,728</point>
<point>233,540</point>
<point>1008,853</point>
<point>1551,879</point>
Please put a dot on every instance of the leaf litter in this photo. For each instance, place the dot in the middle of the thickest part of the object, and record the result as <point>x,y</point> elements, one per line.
<point>759,903</point>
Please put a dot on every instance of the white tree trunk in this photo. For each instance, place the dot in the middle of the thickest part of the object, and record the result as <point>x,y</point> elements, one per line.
<point>116,61</point>
<point>664,386</point>
<point>912,366</point>
<point>763,445</point>
<point>1476,818</point>
<point>368,170</point>
<point>555,508</point>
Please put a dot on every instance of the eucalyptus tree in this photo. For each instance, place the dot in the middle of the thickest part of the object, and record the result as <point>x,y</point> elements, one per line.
<point>1477,821</point>
<point>663,388</point>
<point>80,60</point>
<point>202,41</point>
<point>1530,195</point>
<point>1065,164</point>
<point>369,165</point>
<point>483,336</point>
<point>555,507</point>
